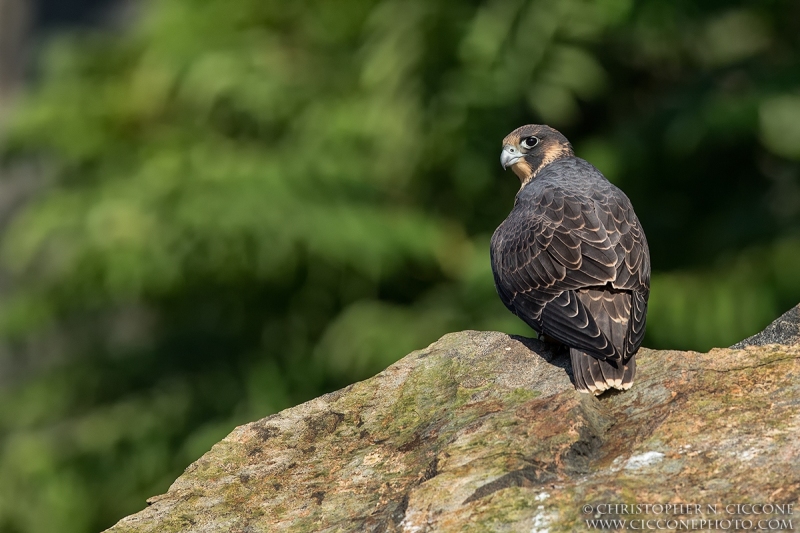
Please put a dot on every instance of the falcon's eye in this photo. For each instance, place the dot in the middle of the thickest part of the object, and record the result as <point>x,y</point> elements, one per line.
<point>529,142</point>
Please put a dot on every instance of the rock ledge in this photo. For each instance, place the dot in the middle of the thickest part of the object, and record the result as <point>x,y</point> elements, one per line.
<point>484,432</point>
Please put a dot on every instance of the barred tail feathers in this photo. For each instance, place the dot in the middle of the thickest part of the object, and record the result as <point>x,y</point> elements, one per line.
<point>595,376</point>
<point>611,311</point>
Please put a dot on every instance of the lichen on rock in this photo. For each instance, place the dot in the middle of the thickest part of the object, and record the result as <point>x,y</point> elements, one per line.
<point>482,431</point>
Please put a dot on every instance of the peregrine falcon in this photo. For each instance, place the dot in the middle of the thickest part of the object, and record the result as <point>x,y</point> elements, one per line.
<point>571,259</point>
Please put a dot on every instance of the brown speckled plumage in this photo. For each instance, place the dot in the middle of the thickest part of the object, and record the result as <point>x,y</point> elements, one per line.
<point>571,259</point>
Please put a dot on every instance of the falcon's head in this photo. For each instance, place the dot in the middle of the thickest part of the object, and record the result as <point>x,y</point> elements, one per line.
<point>529,148</point>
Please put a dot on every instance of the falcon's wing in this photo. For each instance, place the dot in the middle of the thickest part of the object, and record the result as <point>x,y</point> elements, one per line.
<point>563,242</point>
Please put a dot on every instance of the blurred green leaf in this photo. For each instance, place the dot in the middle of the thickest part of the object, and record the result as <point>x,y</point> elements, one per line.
<point>780,125</point>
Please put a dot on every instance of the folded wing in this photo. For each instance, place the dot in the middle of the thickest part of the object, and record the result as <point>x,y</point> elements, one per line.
<point>551,250</point>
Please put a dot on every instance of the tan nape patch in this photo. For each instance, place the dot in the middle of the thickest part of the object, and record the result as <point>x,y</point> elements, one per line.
<point>553,152</point>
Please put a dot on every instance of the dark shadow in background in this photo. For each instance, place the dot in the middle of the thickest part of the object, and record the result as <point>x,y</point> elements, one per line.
<point>58,14</point>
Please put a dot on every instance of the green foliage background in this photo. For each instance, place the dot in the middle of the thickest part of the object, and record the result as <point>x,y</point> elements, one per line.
<point>251,202</point>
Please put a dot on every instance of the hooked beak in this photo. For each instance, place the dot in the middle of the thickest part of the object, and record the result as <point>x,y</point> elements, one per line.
<point>509,156</point>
